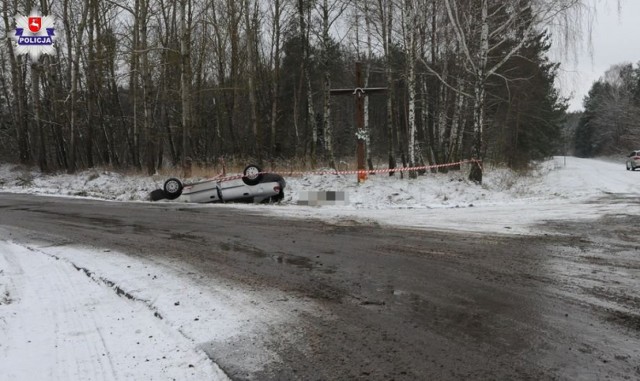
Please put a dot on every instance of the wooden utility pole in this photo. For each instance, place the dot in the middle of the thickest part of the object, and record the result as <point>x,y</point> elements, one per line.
<point>360,92</point>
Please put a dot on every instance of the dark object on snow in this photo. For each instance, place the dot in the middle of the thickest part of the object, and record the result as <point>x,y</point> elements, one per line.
<point>157,195</point>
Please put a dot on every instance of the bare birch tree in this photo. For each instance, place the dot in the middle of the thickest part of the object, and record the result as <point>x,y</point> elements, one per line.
<point>185,78</point>
<point>410,15</point>
<point>497,22</point>
<point>277,9</point>
<point>330,12</point>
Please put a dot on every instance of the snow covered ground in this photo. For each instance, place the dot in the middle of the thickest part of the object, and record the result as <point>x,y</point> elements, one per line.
<point>507,202</point>
<point>59,324</point>
<point>76,313</point>
<point>71,313</point>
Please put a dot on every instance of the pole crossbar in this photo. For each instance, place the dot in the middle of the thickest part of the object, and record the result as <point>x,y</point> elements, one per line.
<point>359,92</point>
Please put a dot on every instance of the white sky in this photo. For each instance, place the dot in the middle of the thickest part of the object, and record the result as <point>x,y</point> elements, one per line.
<point>615,39</point>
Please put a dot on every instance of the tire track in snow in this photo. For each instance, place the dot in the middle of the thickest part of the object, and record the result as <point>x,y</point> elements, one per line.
<point>73,328</point>
<point>61,325</point>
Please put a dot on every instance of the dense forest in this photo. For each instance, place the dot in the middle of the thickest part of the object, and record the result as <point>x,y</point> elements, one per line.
<point>146,84</point>
<point>610,123</point>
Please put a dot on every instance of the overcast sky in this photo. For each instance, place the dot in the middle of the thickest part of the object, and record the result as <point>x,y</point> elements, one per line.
<point>616,39</point>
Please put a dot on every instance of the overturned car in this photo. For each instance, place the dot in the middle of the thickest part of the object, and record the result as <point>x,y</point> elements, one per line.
<point>253,186</point>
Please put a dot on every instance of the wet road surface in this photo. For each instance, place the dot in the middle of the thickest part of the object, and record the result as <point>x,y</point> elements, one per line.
<point>399,304</point>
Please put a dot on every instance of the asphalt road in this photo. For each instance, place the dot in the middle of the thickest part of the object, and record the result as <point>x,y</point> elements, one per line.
<point>401,304</point>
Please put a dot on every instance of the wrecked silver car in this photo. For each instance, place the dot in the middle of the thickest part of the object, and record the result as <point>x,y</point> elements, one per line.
<point>253,186</point>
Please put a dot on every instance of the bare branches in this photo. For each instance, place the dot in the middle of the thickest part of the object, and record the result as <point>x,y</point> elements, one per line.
<point>142,80</point>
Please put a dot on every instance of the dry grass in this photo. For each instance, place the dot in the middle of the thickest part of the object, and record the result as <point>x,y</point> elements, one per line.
<point>230,166</point>
<point>236,166</point>
<point>290,167</point>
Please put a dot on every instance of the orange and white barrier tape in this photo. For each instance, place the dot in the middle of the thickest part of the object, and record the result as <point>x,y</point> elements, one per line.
<point>362,171</point>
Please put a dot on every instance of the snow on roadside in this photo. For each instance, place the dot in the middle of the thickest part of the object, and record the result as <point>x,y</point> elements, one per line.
<point>506,202</point>
<point>379,192</point>
<point>94,183</point>
<point>57,324</point>
<point>549,180</point>
<point>80,313</point>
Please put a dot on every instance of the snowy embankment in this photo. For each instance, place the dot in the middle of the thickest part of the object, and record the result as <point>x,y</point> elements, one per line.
<point>506,202</point>
<point>383,199</point>
<point>69,312</point>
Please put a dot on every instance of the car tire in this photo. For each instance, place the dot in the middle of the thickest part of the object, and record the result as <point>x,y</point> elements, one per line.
<point>252,175</point>
<point>157,195</point>
<point>173,188</point>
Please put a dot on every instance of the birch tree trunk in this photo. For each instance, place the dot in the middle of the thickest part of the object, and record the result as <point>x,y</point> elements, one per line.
<point>327,132</point>
<point>513,21</point>
<point>75,82</point>
<point>367,21</point>
<point>311,114</point>
<point>251,73</point>
<point>148,125</point>
<point>234,16</point>
<point>227,107</point>
<point>71,166</point>
<point>37,112</point>
<point>456,134</point>
<point>133,85</point>
<point>185,81</point>
<point>275,87</point>
<point>91,79</point>
<point>386,19</point>
<point>410,48</point>
<point>479,93</point>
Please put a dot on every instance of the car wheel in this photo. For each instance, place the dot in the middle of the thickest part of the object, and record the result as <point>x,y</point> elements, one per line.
<point>157,195</point>
<point>173,189</point>
<point>252,175</point>
<point>627,166</point>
